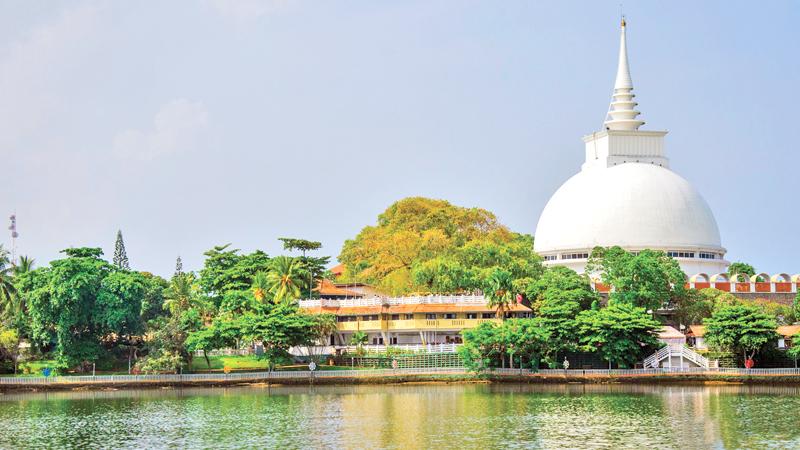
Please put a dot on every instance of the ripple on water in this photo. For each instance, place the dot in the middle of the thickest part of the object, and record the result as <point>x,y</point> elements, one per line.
<point>406,417</point>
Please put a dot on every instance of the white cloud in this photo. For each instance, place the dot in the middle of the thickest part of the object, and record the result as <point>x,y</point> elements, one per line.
<point>177,127</point>
<point>243,10</point>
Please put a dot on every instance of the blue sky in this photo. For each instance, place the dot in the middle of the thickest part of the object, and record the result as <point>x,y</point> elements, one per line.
<point>193,123</point>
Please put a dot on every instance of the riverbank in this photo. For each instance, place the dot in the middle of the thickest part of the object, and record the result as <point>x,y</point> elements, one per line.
<point>403,376</point>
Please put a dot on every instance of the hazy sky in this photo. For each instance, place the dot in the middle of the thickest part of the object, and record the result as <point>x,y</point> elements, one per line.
<point>193,123</point>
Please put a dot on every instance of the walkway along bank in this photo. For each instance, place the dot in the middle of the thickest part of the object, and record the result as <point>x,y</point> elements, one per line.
<point>386,376</point>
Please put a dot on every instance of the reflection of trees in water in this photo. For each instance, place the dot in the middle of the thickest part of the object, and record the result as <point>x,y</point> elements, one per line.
<point>414,416</point>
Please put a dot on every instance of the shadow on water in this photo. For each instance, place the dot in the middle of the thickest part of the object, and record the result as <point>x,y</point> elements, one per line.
<point>408,416</point>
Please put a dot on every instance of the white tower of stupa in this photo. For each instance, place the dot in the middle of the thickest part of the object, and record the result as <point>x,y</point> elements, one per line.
<point>626,195</point>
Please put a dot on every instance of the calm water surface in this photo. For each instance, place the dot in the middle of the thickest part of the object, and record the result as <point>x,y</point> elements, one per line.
<point>407,417</point>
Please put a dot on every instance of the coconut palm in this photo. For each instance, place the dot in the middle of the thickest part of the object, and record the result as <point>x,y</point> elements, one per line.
<point>25,265</point>
<point>7,291</point>
<point>261,286</point>
<point>499,291</point>
<point>285,277</point>
<point>181,294</point>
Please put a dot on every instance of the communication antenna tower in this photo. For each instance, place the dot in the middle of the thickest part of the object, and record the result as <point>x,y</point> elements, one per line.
<point>14,236</point>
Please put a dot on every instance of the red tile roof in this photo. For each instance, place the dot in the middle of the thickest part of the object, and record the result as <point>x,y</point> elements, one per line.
<point>328,288</point>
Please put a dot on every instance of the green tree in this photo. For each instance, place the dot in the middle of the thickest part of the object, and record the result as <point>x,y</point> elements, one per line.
<point>120,256</point>
<point>261,287</point>
<point>741,268</point>
<point>8,299</point>
<point>220,334</point>
<point>9,346</point>
<point>182,294</point>
<point>482,346</point>
<point>649,278</point>
<point>81,303</point>
<point>227,270</point>
<point>489,344</point>
<point>525,339</point>
<point>358,338</point>
<point>153,300</point>
<point>558,319</point>
<point>281,329</point>
<point>323,326</point>
<point>741,329</point>
<point>559,285</point>
<point>499,291</point>
<point>697,305</point>
<point>24,265</point>
<point>285,278</point>
<point>794,351</point>
<point>314,267</point>
<point>621,332</point>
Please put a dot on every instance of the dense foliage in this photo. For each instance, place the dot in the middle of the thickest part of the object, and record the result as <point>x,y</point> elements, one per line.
<point>425,245</point>
<point>697,305</point>
<point>567,318</point>
<point>739,328</point>
<point>85,311</point>
<point>621,332</point>
<point>742,268</point>
<point>648,278</point>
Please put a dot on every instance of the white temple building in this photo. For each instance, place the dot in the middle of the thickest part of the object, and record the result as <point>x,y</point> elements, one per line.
<point>626,195</point>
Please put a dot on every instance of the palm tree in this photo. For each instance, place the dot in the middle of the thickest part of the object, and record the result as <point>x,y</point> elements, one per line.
<point>499,290</point>
<point>261,286</point>
<point>181,294</point>
<point>285,278</point>
<point>7,291</point>
<point>25,265</point>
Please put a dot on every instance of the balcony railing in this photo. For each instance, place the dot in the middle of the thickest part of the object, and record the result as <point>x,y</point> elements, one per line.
<point>394,301</point>
<point>413,324</point>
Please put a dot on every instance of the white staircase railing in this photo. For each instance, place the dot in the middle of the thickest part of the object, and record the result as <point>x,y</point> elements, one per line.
<point>679,351</point>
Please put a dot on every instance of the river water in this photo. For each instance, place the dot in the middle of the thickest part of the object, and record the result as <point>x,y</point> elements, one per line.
<point>430,416</point>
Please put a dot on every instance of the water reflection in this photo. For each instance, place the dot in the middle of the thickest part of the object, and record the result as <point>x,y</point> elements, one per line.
<point>408,416</point>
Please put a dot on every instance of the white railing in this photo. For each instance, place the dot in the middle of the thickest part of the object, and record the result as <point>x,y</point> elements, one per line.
<point>226,352</point>
<point>418,348</point>
<point>680,351</point>
<point>360,373</point>
<point>410,300</point>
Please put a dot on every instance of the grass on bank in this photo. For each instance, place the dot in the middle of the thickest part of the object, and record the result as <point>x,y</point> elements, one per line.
<point>218,363</point>
<point>247,363</point>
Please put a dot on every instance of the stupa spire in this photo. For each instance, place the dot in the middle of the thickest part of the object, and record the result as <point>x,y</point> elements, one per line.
<point>622,112</point>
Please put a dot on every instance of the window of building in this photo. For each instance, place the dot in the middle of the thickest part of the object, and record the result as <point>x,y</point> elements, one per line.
<point>574,255</point>
<point>449,316</point>
<point>550,257</point>
<point>472,315</point>
<point>370,317</point>
<point>377,341</point>
<point>679,254</point>
<point>430,316</point>
<point>346,318</point>
<point>703,255</point>
<point>395,316</point>
<point>409,316</point>
<point>393,340</point>
<point>487,315</point>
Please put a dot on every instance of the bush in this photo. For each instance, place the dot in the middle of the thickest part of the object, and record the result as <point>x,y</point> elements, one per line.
<point>161,362</point>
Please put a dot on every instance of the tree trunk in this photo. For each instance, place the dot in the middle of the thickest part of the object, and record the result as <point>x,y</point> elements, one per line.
<point>208,361</point>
